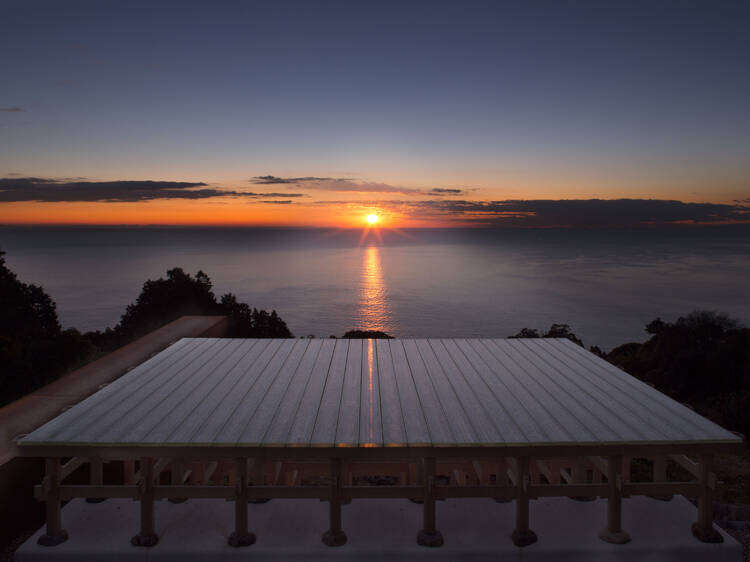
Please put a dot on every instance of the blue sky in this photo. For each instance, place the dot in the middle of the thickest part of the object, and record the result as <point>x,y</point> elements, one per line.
<point>507,99</point>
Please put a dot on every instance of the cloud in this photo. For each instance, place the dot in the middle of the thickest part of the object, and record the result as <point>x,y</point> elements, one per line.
<point>285,202</point>
<point>583,213</point>
<point>272,180</point>
<point>336,184</point>
<point>14,189</point>
<point>445,191</point>
<point>12,109</point>
<point>280,194</point>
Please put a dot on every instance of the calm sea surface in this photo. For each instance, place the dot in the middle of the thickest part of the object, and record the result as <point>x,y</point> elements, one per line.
<point>606,284</point>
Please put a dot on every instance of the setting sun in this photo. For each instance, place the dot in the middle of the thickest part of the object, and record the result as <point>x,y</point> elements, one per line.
<point>372,218</point>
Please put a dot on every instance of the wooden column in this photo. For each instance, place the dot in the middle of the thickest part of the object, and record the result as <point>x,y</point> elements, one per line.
<point>241,536</point>
<point>147,535</point>
<point>578,473</point>
<point>416,477</point>
<point>703,529</point>
<point>54,534</point>
<point>177,477</point>
<point>429,535</point>
<point>259,476</point>
<point>335,536</point>
<point>128,471</point>
<point>522,535</point>
<point>96,476</point>
<point>501,479</point>
<point>660,475</point>
<point>613,532</point>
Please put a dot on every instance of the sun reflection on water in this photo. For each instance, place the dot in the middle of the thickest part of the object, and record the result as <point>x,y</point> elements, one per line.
<point>373,311</point>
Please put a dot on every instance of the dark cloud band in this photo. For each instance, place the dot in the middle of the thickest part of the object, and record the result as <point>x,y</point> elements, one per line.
<point>56,191</point>
<point>573,213</point>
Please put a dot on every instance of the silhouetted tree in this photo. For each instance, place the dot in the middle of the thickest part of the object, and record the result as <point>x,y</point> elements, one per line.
<point>180,294</point>
<point>555,331</point>
<point>247,323</point>
<point>526,333</point>
<point>562,331</point>
<point>702,358</point>
<point>164,300</point>
<point>33,348</point>
<point>366,335</point>
<point>655,326</point>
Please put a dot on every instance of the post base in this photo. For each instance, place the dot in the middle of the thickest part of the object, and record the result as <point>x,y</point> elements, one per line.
<point>145,540</point>
<point>245,539</point>
<point>95,500</point>
<point>706,535</point>
<point>53,540</point>
<point>430,539</point>
<point>614,537</point>
<point>334,538</point>
<point>524,538</point>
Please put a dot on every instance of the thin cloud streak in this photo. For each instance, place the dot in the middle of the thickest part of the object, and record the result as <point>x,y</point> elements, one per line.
<point>12,110</point>
<point>584,213</point>
<point>350,185</point>
<point>47,190</point>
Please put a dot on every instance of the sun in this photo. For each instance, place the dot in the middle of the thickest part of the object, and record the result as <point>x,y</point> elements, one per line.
<point>372,218</point>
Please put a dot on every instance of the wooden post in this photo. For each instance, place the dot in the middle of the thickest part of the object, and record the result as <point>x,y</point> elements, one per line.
<point>196,473</point>
<point>335,536</point>
<point>416,477</point>
<point>613,532</point>
<point>128,471</point>
<point>241,536</point>
<point>660,475</point>
<point>177,477</point>
<point>578,473</point>
<point>259,478</point>
<point>522,535</point>
<point>501,479</point>
<point>54,534</point>
<point>703,529</point>
<point>147,535</point>
<point>96,476</point>
<point>429,535</point>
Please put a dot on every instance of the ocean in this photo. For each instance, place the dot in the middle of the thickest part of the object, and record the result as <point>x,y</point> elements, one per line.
<point>606,284</point>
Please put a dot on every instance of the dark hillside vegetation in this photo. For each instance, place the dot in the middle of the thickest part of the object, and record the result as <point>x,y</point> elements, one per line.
<point>180,294</point>
<point>35,350</point>
<point>702,359</point>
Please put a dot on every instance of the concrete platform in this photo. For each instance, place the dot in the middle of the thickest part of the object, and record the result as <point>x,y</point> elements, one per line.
<point>474,529</point>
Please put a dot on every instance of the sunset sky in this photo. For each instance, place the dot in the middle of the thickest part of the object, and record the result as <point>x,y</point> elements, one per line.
<point>426,113</point>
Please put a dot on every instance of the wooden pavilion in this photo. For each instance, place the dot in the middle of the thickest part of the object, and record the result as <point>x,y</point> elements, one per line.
<point>257,419</point>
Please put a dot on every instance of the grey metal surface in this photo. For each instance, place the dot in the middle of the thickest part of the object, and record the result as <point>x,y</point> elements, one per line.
<point>374,393</point>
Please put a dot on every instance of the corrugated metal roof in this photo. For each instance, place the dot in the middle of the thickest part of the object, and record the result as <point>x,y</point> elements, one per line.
<point>373,393</point>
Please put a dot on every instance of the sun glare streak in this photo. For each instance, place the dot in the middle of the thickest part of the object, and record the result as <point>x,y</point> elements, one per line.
<point>374,312</point>
<point>370,397</point>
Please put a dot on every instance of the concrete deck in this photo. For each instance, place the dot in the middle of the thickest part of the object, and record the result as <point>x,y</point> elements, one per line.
<point>474,529</point>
